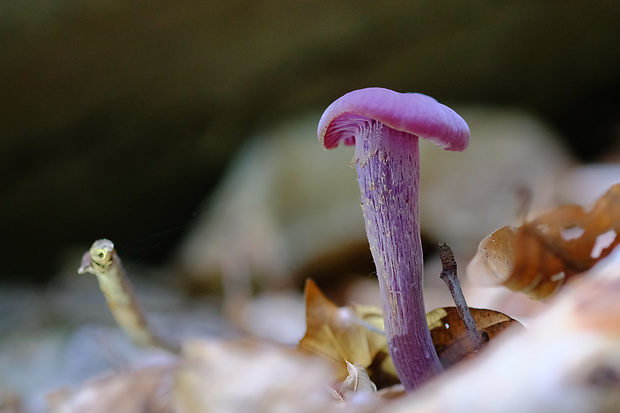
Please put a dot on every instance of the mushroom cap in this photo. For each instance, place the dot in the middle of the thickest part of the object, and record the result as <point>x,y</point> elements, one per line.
<point>413,113</point>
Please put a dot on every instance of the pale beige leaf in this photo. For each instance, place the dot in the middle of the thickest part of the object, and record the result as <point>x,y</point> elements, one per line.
<point>147,389</point>
<point>357,382</point>
<point>244,376</point>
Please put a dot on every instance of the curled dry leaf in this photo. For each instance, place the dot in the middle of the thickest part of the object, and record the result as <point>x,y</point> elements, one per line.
<point>450,337</point>
<point>538,257</point>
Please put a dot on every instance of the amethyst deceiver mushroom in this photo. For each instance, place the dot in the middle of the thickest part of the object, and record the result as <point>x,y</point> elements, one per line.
<point>385,126</point>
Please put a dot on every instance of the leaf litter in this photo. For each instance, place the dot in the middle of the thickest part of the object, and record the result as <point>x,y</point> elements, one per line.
<point>540,256</point>
<point>354,334</point>
<point>570,354</point>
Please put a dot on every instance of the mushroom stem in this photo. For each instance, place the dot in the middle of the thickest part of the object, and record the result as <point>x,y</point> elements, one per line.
<point>385,127</point>
<point>387,163</point>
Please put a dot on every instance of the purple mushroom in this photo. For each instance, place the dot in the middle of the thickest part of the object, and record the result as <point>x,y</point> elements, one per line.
<point>385,126</point>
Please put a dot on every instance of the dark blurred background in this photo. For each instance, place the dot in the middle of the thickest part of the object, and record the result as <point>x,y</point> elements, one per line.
<point>118,118</point>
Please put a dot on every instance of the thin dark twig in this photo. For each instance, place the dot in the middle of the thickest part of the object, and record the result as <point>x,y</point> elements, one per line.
<point>448,275</point>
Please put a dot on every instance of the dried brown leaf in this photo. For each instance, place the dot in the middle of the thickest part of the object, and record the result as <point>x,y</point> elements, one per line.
<point>538,257</point>
<point>450,337</point>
